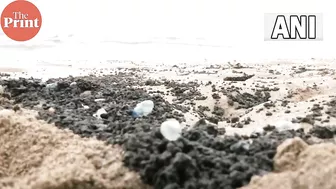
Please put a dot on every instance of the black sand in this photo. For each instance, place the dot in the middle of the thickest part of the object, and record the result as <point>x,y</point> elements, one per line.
<point>197,160</point>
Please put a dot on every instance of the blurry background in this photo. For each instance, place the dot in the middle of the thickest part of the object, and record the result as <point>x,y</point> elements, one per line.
<point>167,31</point>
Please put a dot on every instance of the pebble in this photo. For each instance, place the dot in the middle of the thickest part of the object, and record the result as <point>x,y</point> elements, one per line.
<point>234,119</point>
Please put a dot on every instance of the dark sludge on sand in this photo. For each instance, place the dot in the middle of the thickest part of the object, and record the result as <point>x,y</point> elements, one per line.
<point>201,158</point>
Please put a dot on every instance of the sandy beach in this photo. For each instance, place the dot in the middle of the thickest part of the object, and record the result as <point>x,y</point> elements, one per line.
<point>245,106</point>
<point>299,85</point>
<point>192,94</point>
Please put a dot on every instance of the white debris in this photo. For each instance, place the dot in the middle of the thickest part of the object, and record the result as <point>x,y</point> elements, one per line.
<point>258,130</point>
<point>143,108</point>
<point>171,129</point>
<point>85,106</point>
<point>99,112</point>
<point>284,125</point>
<point>51,110</point>
<point>99,100</point>
<point>73,84</point>
<point>51,85</point>
<point>85,94</point>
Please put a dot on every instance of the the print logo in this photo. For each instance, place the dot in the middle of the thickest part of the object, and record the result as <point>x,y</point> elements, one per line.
<point>21,20</point>
<point>293,27</point>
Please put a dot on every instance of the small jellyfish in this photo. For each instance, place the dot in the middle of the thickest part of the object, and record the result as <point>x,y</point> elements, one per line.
<point>171,129</point>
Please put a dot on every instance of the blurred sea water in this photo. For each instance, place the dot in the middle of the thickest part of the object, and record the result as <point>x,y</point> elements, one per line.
<point>162,31</point>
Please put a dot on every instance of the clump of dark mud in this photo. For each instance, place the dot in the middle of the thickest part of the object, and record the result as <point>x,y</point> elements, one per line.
<point>184,91</point>
<point>331,107</point>
<point>247,100</point>
<point>199,160</point>
<point>238,78</point>
<point>323,132</point>
<point>68,97</point>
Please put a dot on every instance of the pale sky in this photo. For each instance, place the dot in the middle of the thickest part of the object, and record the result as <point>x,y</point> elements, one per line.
<point>228,20</point>
<point>234,22</point>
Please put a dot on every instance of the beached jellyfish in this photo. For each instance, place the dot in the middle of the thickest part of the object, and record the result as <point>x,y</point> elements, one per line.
<point>171,129</point>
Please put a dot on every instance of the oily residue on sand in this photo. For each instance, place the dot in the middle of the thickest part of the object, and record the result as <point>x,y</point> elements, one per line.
<point>199,159</point>
<point>35,155</point>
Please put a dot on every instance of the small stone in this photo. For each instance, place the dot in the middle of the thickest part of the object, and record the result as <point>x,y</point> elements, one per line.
<point>210,128</point>
<point>240,125</point>
<point>326,121</point>
<point>307,119</point>
<point>215,96</point>
<point>16,108</point>
<point>269,128</point>
<point>234,119</point>
<point>230,102</point>
<point>104,115</point>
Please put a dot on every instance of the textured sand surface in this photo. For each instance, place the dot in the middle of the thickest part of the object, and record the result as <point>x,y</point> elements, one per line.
<point>301,83</point>
<point>299,166</point>
<point>307,83</point>
<point>35,155</point>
